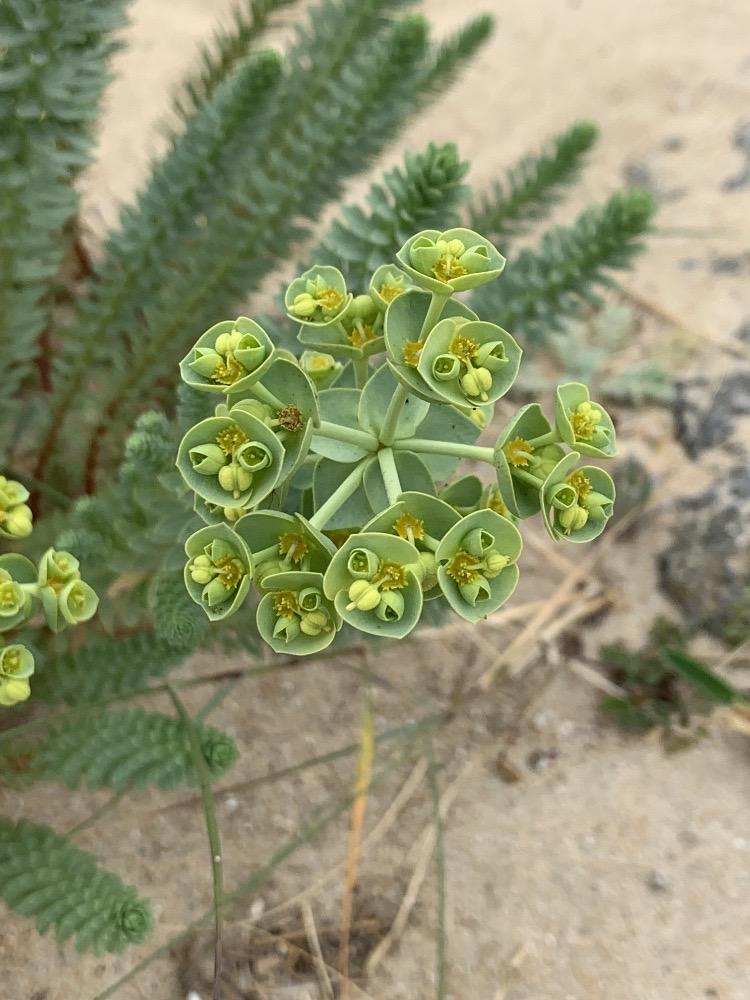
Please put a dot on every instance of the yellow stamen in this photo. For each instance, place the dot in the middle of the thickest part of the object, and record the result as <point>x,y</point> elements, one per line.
<point>228,372</point>
<point>285,604</point>
<point>230,439</point>
<point>580,483</point>
<point>389,290</point>
<point>412,350</point>
<point>517,452</point>
<point>231,571</point>
<point>464,348</point>
<point>361,335</point>
<point>409,527</point>
<point>330,299</point>
<point>390,576</point>
<point>293,545</point>
<point>463,567</point>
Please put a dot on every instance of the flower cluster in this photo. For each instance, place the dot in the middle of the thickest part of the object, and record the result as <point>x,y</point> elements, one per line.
<point>53,586</point>
<point>327,484</point>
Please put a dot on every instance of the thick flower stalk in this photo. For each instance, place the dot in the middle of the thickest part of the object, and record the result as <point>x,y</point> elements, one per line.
<point>328,484</point>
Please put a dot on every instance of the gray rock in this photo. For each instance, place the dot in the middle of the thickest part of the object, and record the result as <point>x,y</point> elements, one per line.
<point>705,413</point>
<point>741,142</point>
<point>707,567</point>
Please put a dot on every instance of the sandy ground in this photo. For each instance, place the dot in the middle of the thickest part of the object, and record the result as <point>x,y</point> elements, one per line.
<point>616,872</point>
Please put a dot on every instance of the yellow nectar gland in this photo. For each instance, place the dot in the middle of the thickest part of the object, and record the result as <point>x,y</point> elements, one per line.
<point>495,502</point>
<point>230,439</point>
<point>361,335</point>
<point>389,290</point>
<point>294,546</point>
<point>584,421</point>
<point>412,350</point>
<point>228,372</point>
<point>285,604</point>
<point>463,567</point>
<point>8,595</point>
<point>449,265</point>
<point>290,418</point>
<point>409,527</point>
<point>330,300</point>
<point>464,348</point>
<point>11,662</point>
<point>390,576</point>
<point>580,483</point>
<point>517,452</point>
<point>230,570</point>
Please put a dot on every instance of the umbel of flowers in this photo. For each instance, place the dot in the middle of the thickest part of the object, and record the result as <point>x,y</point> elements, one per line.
<point>53,587</point>
<point>327,483</point>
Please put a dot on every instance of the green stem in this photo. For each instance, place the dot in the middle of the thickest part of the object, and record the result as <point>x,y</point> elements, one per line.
<point>349,435</point>
<point>389,472</point>
<point>266,396</point>
<point>212,830</point>
<point>392,414</point>
<point>527,477</point>
<point>339,497</point>
<point>544,439</point>
<point>429,447</point>
<point>361,371</point>
<point>437,304</point>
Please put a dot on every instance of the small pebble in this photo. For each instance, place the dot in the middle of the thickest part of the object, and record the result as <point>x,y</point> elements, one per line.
<point>258,908</point>
<point>540,760</point>
<point>231,803</point>
<point>740,843</point>
<point>658,881</point>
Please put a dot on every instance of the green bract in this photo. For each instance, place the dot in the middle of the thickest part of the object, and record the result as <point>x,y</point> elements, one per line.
<point>477,569</point>
<point>295,616</point>
<point>66,599</point>
<point>318,297</point>
<point>365,515</point>
<point>404,337</point>
<point>15,514</point>
<point>374,583</point>
<point>229,357</point>
<point>231,461</point>
<point>583,424</point>
<point>16,666</point>
<point>218,570</point>
<point>466,361</point>
<point>18,579</point>
<point>282,543</point>
<point>577,502</point>
<point>453,261</point>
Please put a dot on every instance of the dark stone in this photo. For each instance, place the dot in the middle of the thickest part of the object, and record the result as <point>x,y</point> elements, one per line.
<point>729,265</point>
<point>741,141</point>
<point>673,144</point>
<point>704,413</point>
<point>689,264</point>
<point>743,331</point>
<point>707,567</point>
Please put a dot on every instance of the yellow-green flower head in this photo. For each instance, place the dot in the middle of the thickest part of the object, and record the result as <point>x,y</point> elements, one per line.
<point>477,569</point>
<point>386,284</point>
<point>13,690</point>
<point>16,522</point>
<point>12,493</point>
<point>467,362</point>
<point>66,598</point>
<point>453,261</point>
<point>218,571</point>
<point>318,297</point>
<point>374,583</point>
<point>229,357</point>
<point>295,616</point>
<point>321,368</point>
<point>282,543</point>
<point>583,424</point>
<point>18,585</point>
<point>231,461</point>
<point>577,502</point>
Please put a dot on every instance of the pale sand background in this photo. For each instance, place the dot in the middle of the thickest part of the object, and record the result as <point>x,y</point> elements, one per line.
<point>558,864</point>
